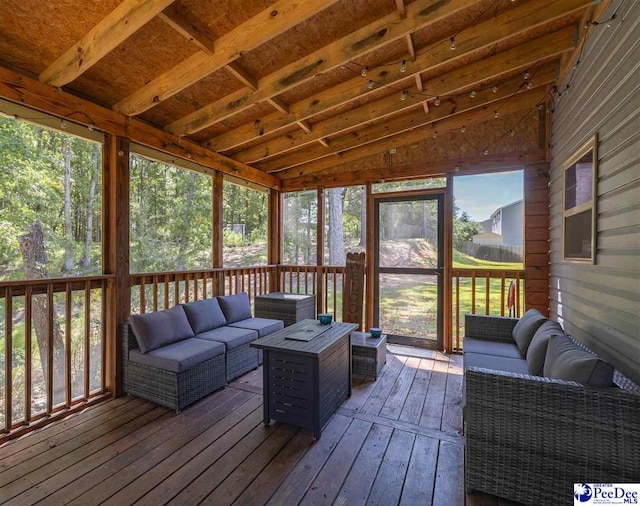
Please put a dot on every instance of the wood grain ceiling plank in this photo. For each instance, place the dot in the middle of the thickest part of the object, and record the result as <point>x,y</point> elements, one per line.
<point>511,23</point>
<point>420,14</point>
<point>523,102</point>
<point>522,57</point>
<point>404,123</point>
<point>261,28</point>
<point>115,28</point>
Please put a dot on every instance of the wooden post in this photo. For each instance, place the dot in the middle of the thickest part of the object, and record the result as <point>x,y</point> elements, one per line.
<point>448,266</point>
<point>369,258</point>
<point>217,222</point>
<point>320,253</point>
<point>536,237</point>
<point>115,253</point>
<point>274,238</point>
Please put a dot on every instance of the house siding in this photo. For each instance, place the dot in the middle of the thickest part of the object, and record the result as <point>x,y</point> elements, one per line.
<point>600,304</point>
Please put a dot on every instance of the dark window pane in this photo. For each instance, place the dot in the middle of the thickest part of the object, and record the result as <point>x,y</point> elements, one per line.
<point>577,235</point>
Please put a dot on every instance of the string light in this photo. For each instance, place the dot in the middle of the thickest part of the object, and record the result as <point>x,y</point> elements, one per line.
<point>436,102</point>
<point>463,129</point>
<point>63,124</point>
<point>527,75</point>
<point>485,152</point>
<point>370,85</point>
<point>435,135</point>
<point>403,66</point>
<point>495,89</point>
<point>403,96</point>
<point>496,114</point>
<point>473,94</point>
<point>363,72</point>
<point>452,46</point>
<point>512,133</point>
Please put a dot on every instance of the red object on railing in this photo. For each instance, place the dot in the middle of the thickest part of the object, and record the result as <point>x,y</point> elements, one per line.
<point>511,298</point>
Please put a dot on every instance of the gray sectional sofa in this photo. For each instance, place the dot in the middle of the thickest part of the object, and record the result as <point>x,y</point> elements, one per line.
<point>176,356</point>
<point>542,412</point>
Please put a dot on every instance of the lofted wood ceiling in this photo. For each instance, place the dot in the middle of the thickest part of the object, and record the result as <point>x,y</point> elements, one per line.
<point>278,86</point>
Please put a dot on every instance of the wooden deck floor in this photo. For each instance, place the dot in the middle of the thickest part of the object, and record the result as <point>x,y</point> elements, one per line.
<point>396,440</point>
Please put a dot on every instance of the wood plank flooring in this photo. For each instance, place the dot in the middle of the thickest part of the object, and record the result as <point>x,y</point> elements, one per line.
<point>394,441</point>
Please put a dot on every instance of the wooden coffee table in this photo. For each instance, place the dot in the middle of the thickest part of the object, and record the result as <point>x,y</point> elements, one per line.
<point>306,381</point>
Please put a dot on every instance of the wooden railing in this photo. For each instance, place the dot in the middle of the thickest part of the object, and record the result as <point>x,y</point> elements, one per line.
<point>483,292</point>
<point>161,290</point>
<point>53,348</point>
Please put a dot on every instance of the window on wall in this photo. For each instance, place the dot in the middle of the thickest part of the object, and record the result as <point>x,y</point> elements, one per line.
<point>488,223</point>
<point>414,184</point>
<point>50,200</point>
<point>245,226</point>
<point>300,221</point>
<point>171,216</point>
<point>579,210</point>
<point>345,223</point>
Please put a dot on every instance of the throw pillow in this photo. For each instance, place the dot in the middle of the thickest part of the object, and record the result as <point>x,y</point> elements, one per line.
<point>157,329</point>
<point>525,329</point>
<point>567,361</point>
<point>235,307</point>
<point>204,315</point>
<point>538,348</point>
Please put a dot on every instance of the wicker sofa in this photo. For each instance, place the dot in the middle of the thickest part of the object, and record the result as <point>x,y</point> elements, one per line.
<point>177,356</point>
<point>530,437</point>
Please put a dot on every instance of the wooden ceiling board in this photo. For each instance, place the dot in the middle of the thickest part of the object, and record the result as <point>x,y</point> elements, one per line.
<point>316,32</point>
<point>33,33</point>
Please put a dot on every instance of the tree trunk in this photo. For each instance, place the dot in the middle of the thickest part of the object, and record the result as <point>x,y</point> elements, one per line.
<point>391,224</point>
<point>183,241</point>
<point>34,258</point>
<point>95,168</point>
<point>363,219</point>
<point>68,232</point>
<point>336,229</point>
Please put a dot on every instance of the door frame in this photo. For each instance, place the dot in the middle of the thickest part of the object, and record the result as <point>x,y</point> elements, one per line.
<point>438,195</point>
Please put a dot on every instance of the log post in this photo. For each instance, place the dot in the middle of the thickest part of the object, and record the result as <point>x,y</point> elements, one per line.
<point>274,238</point>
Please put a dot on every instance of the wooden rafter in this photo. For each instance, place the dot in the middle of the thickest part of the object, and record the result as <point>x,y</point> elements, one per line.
<point>403,123</point>
<point>115,28</point>
<point>523,102</point>
<point>261,28</point>
<point>520,57</point>
<point>242,75</point>
<point>464,165</point>
<point>522,18</point>
<point>181,20</point>
<point>31,93</point>
<point>420,14</point>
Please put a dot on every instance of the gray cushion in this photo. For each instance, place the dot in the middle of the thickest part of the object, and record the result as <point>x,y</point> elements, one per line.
<point>231,337</point>
<point>204,315</point>
<point>538,347</point>
<point>157,329</point>
<point>567,361</point>
<point>264,326</point>
<point>235,307</point>
<point>180,356</point>
<point>497,348</point>
<point>506,364</point>
<point>525,329</point>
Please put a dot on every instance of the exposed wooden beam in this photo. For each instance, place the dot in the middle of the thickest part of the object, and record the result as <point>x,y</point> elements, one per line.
<point>402,123</point>
<point>410,47</point>
<point>464,166</point>
<point>261,28</point>
<point>23,90</point>
<point>523,102</point>
<point>512,23</point>
<point>192,29</point>
<point>115,28</point>
<point>279,104</point>
<point>242,75</point>
<point>402,8</point>
<point>521,57</point>
<point>420,14</point>
<point>305,126</point>
<point>593,13</point>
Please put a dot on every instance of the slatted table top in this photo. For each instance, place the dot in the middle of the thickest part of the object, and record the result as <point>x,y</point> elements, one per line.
<point>278,340</point>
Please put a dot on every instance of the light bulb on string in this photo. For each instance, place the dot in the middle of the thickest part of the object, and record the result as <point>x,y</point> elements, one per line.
<point>485,152</point>
<point>63,124</point>
<point>403,66</point>
<point>495,89</point>
<point>370,85</point>
<point>463,129</point>
<point>436,102</point>
<point>527,76</point>
<point>435,135</point>
<point>496,114</point>
<point>452,46</point>
<point>403,96</point>
<point>363,72</point>
<point>473,94</point>
<point>90,126</point>
<point>512,133</point>
<point>529,85</point>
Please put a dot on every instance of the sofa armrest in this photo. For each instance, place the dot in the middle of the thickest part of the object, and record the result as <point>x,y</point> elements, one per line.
<point>573,430</point>
<point>489,328</point>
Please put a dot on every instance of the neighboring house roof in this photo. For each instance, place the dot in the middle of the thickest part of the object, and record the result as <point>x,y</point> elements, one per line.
<point>505,207</point>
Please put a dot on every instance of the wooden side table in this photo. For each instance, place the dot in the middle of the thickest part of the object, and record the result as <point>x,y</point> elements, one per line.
<point>368,354</point>
<point>288,307</point>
